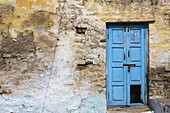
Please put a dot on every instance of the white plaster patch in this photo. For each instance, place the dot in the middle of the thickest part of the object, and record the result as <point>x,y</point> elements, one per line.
<point>56,104</point>
<point>100,8</point>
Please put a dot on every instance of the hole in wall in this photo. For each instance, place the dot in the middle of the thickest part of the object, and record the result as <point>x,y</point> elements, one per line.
<point>135,94</point>
<point>81,30</point>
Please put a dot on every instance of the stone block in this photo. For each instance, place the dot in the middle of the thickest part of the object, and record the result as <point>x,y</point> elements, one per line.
<point>7,55</point>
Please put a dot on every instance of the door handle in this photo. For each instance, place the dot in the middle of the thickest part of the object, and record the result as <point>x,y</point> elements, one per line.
<point>128,53</point>
<point>128,28</point>
<point>124,56</point>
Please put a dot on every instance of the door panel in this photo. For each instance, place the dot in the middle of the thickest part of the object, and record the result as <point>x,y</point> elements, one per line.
<point>117,54</point>
<point>117,74</point>
<point>118,96</point>
<point>135,74</point>
<point>135,54</point>
<point>125,62</point>
<point>135,35</point>
<point>118,36</point>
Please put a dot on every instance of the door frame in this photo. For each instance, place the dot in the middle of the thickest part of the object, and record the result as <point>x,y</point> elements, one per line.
<point>146,62</point>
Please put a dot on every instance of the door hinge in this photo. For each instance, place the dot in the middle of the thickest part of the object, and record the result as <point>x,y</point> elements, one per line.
<point>124,28</point>
<point>124,56</point>
<point>108,36</point>
<point>128,27</point>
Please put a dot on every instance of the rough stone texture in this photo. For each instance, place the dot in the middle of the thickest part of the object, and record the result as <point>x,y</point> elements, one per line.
<point>46,66</point>
<point>159,83</point>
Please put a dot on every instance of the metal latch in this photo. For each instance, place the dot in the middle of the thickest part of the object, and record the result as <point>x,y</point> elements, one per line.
<point>129,65</point>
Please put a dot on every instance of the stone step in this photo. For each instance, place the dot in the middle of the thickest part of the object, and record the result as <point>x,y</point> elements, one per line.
<point>160,105</point>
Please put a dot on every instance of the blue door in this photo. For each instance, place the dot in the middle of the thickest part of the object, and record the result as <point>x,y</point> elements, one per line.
<point>126,64</point>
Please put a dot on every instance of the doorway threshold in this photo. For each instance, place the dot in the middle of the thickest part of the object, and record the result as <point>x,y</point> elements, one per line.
<point>124,106</point>
<point>139,109</point>
<point>136,104</point>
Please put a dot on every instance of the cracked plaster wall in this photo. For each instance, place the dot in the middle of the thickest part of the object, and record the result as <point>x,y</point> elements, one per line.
<point>40,52</point>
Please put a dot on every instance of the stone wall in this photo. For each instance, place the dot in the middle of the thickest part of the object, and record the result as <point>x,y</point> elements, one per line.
<point>46,66</point>
<point>159,83</point>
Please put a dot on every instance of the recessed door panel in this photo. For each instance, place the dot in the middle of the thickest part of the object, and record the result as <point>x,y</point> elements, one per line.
<point>118,96</point>
<point>117,74</point>
<point>135,54</point>
<point>117,54</point>
<point>135,35</point>
<point>118,36</point>
<point>135,73</point>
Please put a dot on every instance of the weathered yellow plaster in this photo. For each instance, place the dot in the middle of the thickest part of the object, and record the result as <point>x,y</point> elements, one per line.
<point>25,10</point>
